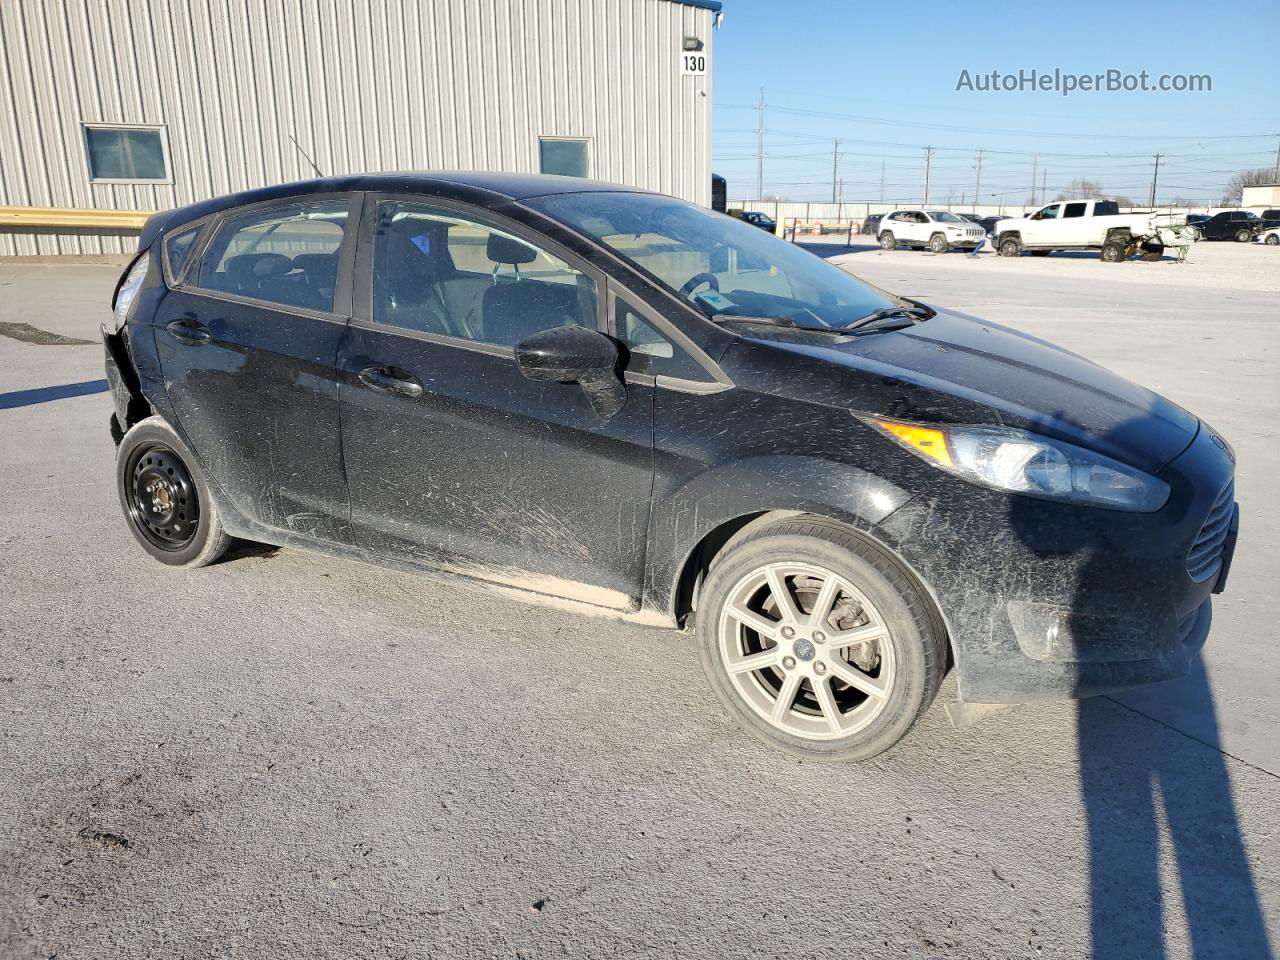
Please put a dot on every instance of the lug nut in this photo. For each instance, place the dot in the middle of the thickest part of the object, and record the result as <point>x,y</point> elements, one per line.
<point>819,668</point>
<point>789,662</point>
<point>788,632</point>
<point>819,637</point>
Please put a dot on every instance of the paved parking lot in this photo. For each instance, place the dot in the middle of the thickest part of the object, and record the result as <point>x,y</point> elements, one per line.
<point>291,756</point>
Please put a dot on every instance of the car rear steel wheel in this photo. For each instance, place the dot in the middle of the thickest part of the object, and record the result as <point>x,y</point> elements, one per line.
<point>1243,236</point>
<point>161,498</point>
<point>806,650</point>
<point>887,241</point>
<point>166,498</point>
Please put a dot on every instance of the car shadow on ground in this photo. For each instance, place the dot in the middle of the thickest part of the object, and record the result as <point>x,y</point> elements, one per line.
<point>1147,786</point>
<point>27,398</point>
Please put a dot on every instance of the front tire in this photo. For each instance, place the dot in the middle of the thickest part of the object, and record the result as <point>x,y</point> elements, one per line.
<point>165,497</point>
<point>1010,247</point>
<point>817,641</point>
<point>938,243</point>
<point>1273,240</point>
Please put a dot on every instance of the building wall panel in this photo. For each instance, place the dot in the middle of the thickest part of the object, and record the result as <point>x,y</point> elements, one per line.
<point>361,85</point>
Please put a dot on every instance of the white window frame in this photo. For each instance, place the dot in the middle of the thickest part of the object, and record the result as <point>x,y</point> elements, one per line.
<point>158,128</point>
<point>591,153</point>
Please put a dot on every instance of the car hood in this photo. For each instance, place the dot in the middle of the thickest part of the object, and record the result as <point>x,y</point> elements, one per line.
<point>958,369</point>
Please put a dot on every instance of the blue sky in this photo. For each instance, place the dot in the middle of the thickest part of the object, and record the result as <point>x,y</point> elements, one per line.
<point>884,75</point>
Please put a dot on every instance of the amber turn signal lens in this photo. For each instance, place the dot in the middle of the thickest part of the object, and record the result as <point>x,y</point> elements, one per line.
<point>928,440</point>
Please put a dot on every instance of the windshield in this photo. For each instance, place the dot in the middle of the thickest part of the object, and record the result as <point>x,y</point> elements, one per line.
<point>720,264</point>
<point>942,216</point>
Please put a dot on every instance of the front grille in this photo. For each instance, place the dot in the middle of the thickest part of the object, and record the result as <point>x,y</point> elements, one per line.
<point>1206,553</point>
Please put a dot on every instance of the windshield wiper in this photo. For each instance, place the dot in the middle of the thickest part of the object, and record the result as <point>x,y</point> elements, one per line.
<point>913,314</point>
<point>769,321</point>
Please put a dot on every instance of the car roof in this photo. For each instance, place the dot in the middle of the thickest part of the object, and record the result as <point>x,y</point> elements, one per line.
<point>483,188</point>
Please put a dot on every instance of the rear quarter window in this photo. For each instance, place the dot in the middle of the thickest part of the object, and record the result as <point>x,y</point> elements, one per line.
<point>1106,208</point>
<point>178,248</point>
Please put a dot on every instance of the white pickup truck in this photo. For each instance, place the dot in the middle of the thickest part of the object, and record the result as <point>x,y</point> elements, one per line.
<point>1083,225</point>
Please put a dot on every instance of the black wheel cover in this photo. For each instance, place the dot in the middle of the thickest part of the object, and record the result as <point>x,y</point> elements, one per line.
<point>163,503</point>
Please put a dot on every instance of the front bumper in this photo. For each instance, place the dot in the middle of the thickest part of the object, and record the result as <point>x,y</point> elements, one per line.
<point>1045,600</point>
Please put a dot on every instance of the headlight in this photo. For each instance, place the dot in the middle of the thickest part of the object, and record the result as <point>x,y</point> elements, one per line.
<point>1028,463</point>
<point>128,291</point>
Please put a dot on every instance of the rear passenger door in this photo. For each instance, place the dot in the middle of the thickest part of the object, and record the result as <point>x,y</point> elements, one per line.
<point>453,458</point>
<point>247,340</point>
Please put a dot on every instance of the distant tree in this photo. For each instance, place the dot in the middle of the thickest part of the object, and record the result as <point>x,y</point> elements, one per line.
<point>1122,201</point>
<point>1234,191</point>
<point>1080,190</point>
<point>772,198</point>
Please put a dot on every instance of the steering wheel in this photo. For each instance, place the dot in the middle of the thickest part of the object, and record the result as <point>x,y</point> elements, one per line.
<point>697,280</point>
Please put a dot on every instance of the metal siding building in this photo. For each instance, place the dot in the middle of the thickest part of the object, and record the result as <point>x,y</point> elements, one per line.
<point>361,85</point>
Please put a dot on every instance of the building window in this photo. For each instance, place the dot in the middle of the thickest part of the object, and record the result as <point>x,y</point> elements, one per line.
<point>126,153</point>
<point>565,157</point>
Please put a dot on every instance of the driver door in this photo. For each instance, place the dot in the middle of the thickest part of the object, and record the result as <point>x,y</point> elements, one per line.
<point>453,458</point>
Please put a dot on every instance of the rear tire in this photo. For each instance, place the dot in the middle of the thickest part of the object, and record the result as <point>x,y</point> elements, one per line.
<point>165,497</point>
<point>1243,236</point>
<point>887,241</point>
<point>802,690</point>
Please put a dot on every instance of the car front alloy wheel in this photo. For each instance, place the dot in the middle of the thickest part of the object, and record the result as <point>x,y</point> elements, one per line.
<point>817,641</point>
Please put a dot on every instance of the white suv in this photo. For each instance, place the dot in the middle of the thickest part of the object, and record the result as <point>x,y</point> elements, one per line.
<point>937,230</point>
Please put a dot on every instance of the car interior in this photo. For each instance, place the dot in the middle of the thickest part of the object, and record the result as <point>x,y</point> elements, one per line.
<point>418,285</point>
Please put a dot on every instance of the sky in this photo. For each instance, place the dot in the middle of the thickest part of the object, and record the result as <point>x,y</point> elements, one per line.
<point>882,78</point>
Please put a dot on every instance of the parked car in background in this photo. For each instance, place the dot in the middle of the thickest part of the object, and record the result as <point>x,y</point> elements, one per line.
<point>1270,219</point>
<point>870,225</point>
<point>1194,219</point>
<point>590,393</point>
<point>935,230</point>
<point>1238,225</point>
<point>989,223</point>
<point>761,220</point>
<point>1082,225</point>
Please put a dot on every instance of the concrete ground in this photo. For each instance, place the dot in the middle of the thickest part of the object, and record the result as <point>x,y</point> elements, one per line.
<point>290,756</point>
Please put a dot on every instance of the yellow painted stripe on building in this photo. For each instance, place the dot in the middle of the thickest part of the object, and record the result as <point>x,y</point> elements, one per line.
<point>62,217</point>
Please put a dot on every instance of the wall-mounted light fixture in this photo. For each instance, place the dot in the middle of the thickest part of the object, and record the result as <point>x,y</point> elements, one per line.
<point>692,43</point>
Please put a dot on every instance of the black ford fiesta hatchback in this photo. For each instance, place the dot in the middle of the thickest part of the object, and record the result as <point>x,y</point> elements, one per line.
<point>621,400</point>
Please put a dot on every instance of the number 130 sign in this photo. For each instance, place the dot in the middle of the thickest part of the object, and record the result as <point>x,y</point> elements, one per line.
<point>693,63</point>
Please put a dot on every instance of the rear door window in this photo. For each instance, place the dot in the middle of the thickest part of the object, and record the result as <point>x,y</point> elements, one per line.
<point>1105,208</point>
<point>1074,210</point>
<point>285,254</point>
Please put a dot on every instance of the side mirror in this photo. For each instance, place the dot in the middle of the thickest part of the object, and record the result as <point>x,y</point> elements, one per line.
<point>572,354</point>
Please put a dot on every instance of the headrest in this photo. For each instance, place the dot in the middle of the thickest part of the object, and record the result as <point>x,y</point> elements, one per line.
<point>259,265</point>
<point>509,250</point>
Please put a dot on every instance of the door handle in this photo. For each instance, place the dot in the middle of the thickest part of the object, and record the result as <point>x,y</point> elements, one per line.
<point>390,380</point>
<point>188,330</point>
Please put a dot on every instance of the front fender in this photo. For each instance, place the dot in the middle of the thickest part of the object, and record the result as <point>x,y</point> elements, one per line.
<point>684,516</point>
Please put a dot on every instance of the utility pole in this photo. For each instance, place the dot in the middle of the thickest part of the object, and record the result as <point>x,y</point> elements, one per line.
<point>1154,175</point>
<point>928,170</point>
<point>760,147</point>
<point>1035,159</point>
<point>977,186</point>
<point>1277,174</point>
<point>1044,176</point>
<point>835,165</point>
<point>882,181</point>
<point>840,196</point>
